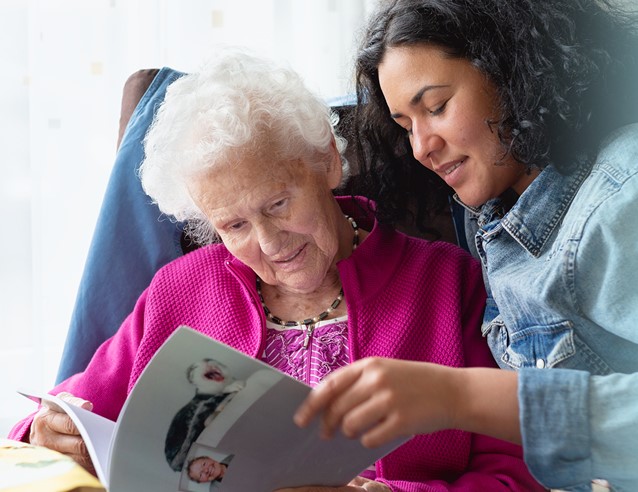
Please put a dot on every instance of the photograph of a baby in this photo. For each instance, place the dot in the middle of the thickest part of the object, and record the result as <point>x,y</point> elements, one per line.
<point>204,469</point>
<point>214,388</point>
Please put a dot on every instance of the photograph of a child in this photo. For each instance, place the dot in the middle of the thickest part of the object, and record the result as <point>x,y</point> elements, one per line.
<point>214,387</point>
<point>204,469</point>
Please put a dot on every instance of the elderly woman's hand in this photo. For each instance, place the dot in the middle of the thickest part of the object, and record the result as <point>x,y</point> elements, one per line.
<point>55,430</point>
<point>359,484</point>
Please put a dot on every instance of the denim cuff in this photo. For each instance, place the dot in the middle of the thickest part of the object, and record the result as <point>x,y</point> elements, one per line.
<point>554,414</point>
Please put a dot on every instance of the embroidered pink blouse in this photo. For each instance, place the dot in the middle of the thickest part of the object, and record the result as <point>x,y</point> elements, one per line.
<point>308,355</point>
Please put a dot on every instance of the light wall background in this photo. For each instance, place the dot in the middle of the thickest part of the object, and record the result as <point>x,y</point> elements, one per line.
<point>64,63</point>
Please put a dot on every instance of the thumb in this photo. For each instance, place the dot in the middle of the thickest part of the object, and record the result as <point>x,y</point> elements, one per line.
<point>75,400</point>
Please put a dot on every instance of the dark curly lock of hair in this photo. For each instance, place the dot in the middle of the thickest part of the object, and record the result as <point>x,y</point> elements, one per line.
<point>564,71</point>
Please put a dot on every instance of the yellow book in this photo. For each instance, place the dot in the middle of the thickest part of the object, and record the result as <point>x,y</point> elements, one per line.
<point>28,468</point>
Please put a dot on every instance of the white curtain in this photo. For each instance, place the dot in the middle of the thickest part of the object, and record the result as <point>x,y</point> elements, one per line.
<point>64,63</point>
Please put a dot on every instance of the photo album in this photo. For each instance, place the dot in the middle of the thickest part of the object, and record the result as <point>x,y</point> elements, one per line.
<point>206,417</point>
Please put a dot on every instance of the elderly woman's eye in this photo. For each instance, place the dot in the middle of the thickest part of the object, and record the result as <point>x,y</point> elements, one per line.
<point>279,204</point>
<point>235,226</point>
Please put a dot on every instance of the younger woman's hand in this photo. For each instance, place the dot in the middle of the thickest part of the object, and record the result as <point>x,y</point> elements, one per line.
<point>378,400</point>
<point>55,430</point>
<point>359,484</point>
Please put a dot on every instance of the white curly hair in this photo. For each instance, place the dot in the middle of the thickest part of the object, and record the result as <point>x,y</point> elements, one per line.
<point>237,106</point>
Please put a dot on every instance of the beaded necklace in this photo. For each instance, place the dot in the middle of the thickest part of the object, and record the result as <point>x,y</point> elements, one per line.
<point>321,316</point>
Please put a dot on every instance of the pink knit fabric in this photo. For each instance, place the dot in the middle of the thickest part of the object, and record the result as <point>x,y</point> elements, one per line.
<point>406,298</point>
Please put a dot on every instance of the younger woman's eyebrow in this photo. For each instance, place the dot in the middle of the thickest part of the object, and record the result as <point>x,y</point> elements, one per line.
<point>418,96</point>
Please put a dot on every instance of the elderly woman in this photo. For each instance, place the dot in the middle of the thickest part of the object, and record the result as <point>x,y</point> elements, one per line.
<point>301,280</point>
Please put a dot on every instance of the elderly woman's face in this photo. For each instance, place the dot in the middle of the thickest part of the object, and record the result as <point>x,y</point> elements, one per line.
<point>278,217</point>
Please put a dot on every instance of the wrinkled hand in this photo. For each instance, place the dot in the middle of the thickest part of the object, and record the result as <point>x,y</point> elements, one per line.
<point>55,430</point>
<point>359,484</point>
<point>380,400</point>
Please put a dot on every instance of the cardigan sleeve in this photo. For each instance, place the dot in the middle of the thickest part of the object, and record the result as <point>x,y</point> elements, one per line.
<point>493,464</point>
<point>105,381</point>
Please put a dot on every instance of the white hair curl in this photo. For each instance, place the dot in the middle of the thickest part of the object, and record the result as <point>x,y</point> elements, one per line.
<point>238,105</point>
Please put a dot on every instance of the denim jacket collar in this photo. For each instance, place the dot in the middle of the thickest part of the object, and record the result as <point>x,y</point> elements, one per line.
<point>536,213</point>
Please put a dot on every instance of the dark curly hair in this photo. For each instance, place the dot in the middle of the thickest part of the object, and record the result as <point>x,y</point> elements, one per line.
<point>564,70</point>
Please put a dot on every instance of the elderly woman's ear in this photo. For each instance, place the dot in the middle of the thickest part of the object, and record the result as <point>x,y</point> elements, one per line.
<point>335,167</point>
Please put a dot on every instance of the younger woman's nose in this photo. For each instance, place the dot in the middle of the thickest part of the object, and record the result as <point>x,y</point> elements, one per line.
<point>424,142</point>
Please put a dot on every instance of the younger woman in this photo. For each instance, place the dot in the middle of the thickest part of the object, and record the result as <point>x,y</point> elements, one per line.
<point>526,110</point>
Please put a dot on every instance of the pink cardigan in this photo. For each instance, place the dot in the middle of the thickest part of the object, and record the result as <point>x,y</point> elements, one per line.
<point>407,299</point>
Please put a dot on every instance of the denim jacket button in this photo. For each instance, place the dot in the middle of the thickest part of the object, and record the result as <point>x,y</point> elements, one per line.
<point>540,363</point>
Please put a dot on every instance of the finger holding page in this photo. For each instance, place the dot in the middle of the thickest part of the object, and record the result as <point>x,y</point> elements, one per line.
<point>75,400</point>
<point>55,430</point>
<point>369,485</point>
<point>324,399</point>
<point>359,484</point>
<point>381,399</point>
<point>354,398</point>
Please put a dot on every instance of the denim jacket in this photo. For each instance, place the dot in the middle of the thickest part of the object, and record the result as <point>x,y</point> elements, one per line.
<point>561,271</point>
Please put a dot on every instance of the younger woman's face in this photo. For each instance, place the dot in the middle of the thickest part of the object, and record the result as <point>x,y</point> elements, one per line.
<point>445,104</point>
